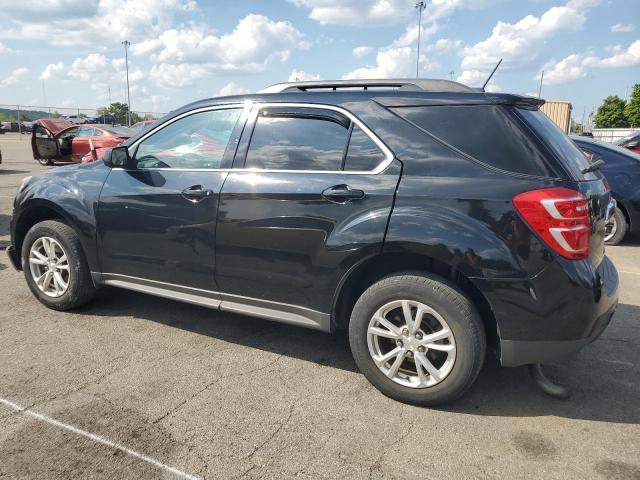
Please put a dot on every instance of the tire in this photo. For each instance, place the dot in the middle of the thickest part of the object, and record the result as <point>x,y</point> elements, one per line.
<point>618,223</point>
<point>45,162</point>
<point>448,304</point>
<point>64,240</point>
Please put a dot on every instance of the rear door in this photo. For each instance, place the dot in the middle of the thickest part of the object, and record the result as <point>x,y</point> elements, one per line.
<point>80,144</point>
<point>43,143</point>
<point>157,217</point>
<point>309,196</point>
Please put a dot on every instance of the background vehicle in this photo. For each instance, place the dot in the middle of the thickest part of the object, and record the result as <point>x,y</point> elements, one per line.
<point>622,170</point>
<point>59,140</point>
<point>106,119</point>
<point>428,219</point>
<point>631,142</point>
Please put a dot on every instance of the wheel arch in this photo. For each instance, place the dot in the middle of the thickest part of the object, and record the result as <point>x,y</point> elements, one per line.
<point>370,270</point>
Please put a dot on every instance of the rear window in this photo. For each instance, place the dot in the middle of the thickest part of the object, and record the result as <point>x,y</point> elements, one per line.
<point>560,144</point>
<point>121,131</point>
<point>489,133</point>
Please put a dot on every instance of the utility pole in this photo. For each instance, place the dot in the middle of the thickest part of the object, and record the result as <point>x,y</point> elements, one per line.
<point>420,6</point>
<point>126,44</point>
<point>540,88</point>
<point>451,74</point>
<point>109,88</point>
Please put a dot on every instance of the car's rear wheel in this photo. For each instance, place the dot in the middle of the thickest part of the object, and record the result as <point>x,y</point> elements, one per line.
<point>616,228</point>
<point>55,267</point>
<point>45,161</point>
<point>417,338</point>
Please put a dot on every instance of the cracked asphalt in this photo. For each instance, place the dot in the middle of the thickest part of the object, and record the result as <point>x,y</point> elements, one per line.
<point>218,395</point>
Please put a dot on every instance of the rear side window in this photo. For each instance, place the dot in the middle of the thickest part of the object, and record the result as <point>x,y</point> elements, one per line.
<point>290,142</point>
<point>489,133</point>
<point>363,154</point>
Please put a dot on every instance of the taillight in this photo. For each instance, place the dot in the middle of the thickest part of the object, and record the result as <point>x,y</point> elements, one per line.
<point>560,216</point>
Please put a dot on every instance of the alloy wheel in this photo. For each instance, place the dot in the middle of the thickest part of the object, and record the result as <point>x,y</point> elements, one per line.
<point>610,229</point>
<point>411,343</point>
<point>49,266</point>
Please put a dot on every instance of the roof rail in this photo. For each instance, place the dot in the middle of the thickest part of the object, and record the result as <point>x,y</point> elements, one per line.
<point>427,85</point>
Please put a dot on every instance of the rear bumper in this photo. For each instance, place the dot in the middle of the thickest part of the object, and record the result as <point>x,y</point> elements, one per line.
<point>553,315</point>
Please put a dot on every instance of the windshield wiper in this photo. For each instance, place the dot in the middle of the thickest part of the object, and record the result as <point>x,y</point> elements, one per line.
<point>594,166</point>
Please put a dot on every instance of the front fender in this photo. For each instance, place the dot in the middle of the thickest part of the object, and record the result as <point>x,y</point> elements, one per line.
<point>72,193</point>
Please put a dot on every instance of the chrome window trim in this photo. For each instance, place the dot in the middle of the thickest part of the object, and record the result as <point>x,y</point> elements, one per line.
<point>253,109</point>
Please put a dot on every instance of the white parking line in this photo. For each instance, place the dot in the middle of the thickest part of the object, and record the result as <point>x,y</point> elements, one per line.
<point>96,438</point>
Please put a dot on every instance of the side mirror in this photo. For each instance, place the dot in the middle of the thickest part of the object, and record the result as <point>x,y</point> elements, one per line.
<point>117,157</point>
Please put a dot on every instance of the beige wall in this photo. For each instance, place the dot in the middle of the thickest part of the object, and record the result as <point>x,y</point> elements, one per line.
<point>559,112</point>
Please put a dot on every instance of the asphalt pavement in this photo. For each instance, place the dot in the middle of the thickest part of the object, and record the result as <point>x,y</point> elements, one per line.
<point>134,386</point>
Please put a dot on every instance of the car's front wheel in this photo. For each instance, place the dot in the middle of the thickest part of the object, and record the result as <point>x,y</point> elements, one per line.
<point>45,161</point>
<point>417,338</point>
<point>55,267</point>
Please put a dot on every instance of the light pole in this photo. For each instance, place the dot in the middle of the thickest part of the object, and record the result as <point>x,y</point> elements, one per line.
<point>126,44</point>
<point>420,6</point>
<point>540,88</point>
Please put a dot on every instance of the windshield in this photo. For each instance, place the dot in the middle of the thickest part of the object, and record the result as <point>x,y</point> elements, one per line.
<point>121,131</point>
<point>558,142</point>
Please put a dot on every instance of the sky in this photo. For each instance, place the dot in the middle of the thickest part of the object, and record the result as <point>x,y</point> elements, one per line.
<point>68,53</point>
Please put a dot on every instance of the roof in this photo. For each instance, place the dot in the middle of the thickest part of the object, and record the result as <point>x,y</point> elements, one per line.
<point>425,85</point>
<point>54,125</point>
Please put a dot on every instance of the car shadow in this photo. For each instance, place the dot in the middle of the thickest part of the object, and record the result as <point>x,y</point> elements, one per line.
<point>6,171</point>
<point>604,377</point>
<point>4,224</point>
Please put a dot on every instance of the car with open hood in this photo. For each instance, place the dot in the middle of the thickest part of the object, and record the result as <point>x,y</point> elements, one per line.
<point>58,140</point>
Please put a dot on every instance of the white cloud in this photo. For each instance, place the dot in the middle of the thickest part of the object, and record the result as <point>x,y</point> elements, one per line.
<point>4,50</point>
<point>622,28</point>
<point>576,66</point>
<point>391,62</point>
<point>177,75</point>
<point>86,68</point>
<point>88,22</point>
<point>445,45</point>
<point>476,78</point>
<point>231,88</point>
<point>357,12</point>
<point>14,77</point>
<point>362,51</point>
<point>253,42</point>
<point>52,70</point>
<point>301,76</point>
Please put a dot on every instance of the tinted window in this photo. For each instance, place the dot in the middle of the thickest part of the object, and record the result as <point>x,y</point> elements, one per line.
<point>296,143</point>
<point>196,141</point>
<point>561,145</point>
<point>488,133</point>
<point>362,154</point>
<point>85,132</point>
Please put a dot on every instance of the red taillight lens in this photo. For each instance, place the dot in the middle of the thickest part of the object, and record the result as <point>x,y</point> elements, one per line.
<point>560,216</point>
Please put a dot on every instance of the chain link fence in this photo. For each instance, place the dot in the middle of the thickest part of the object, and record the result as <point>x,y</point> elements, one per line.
<point>18,118</point>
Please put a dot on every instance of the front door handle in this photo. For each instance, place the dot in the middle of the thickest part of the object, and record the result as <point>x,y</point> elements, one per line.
<point>195,193</point>
<point>342,194</point>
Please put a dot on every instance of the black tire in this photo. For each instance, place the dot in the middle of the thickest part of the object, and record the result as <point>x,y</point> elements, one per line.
<point>621,226</point>
<point>453,305</point>
<point>80,286</point>
<point>45,162</point>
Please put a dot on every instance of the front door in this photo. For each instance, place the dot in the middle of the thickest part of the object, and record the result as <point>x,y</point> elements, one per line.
<point>80,144</point>
<point>157,218</point>
<point>43,143</point>
<point>311,200</point>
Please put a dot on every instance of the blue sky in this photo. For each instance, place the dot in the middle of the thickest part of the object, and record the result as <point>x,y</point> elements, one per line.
<point>183,50</point>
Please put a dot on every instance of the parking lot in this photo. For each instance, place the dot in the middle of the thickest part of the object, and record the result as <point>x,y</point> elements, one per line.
<point>134,386</point>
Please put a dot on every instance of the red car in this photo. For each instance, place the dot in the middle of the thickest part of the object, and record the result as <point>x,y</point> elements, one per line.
<point>630,142</point>
<point>60,140</point>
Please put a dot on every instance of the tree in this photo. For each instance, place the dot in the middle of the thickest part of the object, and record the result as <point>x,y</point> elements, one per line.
<point>632,109</point>
<point>611,113</point>
<point>117,109</point>
<point>24,117</point>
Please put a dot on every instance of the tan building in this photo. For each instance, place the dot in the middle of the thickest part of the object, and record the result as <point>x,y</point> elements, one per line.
<point>559,112</point>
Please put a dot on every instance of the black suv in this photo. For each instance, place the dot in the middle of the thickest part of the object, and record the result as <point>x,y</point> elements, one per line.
<point>427,218</point>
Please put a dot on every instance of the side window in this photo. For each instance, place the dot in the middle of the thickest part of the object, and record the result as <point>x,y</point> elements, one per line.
<point>72,132</point>
<point>97,133</point>
<point>297,142</point>
<point>195,141</point>
<point>85,132</point>
<point>41,132</point>
<point>489,133</point>
<point>363,154</point>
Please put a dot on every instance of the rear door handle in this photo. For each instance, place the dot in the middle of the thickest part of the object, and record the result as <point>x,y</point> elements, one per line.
<point>342,194</point>
<point>195,193</point>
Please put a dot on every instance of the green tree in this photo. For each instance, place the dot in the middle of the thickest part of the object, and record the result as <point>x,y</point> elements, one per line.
<point>632,109</point>
<point>118,110</point>
<point>56,114</point>
<point>611,113</point>
<point>24,117</point>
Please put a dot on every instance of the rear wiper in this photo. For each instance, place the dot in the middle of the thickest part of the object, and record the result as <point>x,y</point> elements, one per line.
<point>594,166</point>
